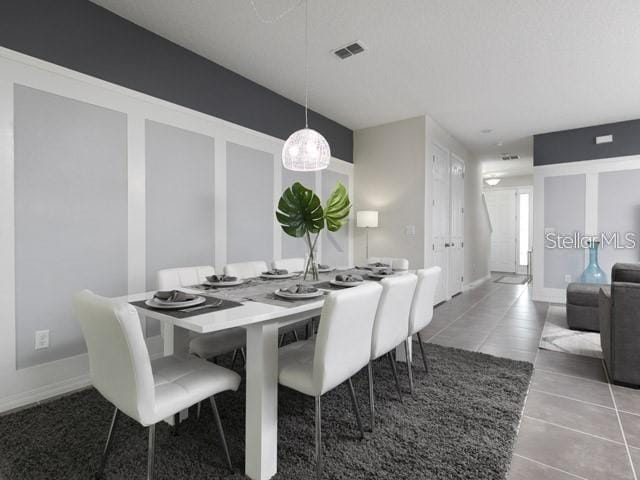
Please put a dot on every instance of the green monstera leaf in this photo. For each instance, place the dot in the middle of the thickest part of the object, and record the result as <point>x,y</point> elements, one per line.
<point>300,211</point>
<point>337,209</point>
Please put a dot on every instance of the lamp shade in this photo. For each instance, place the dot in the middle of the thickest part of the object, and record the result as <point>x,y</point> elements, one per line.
<point>367,218</point>
<point>305,151</point>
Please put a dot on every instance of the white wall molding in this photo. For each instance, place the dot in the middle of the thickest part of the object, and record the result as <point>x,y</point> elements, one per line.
<point>591,169</point>
<point>28,385</point>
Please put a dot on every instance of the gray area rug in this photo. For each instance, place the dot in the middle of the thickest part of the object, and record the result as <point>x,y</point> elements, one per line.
<point>461,424</point>
<point>512,279</point>
<point>557,336</point>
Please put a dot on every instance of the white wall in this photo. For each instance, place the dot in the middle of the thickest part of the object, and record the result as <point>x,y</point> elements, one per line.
<point>393,176</point>
<point>67,370</point>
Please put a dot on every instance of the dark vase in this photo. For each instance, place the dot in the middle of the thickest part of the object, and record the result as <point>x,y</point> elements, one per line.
<point>593,273</point>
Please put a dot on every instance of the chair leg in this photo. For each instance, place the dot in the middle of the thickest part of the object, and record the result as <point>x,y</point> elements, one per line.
<point>356,409</point>
<point>281,341</point>
<point>235,357</point>
<point>107,446</point>
<point>176,424</point>
<point>151,452</point>
<point>244,355</point>
<point>199,409</point>
<point>223,439</point>
<point>295,335</point>
<point>407,351</point>
<point>395,375</point>
<point>424,357</point>
<point>318,439</point>
<point>371,397</point>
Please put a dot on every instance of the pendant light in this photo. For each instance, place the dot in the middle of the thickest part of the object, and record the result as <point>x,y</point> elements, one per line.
<point>306,150</point>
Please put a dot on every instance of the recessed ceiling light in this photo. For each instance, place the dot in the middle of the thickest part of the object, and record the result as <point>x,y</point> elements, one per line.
<point>486,130</point>
<point>492,181</point>
<point>499,144</point>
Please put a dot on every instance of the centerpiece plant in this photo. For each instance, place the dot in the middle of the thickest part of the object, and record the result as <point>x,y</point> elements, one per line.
<point>301,215</point>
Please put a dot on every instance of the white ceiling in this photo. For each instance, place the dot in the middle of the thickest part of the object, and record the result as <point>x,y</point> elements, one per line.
<point>517,67</point>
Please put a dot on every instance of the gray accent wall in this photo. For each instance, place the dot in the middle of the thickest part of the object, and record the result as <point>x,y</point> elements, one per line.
<point>70,215</point>
<point>335,245</point>
<point>295,247</point>
<point>85,37</point>
<point>618,211</point>
<point>250,204</point>
<point>179,198</point>
<point>564,211</point>
<point>579,144</point>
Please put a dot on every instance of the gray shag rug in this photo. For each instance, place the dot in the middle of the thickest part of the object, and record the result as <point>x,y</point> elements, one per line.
<point>461,424</point>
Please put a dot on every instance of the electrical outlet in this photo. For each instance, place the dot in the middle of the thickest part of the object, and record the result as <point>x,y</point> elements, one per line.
<point>410,230</point>
<point>567,278</point>
<point>42,339</point>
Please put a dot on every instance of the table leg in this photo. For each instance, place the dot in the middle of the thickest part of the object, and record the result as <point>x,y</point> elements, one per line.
<point>175,340</point>
<point>261,431</point>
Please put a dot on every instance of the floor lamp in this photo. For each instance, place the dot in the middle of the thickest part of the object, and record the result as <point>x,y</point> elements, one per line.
<point>367,219</point>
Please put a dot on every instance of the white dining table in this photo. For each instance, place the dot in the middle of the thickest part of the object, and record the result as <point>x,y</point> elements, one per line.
<point>261,321</point>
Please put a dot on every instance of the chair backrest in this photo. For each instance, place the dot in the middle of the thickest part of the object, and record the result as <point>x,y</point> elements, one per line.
<point>395,263</point>
<point>172,278</point>
<point>291,264</point>
<point>392,318</point>
<point>245,269</point>
<point>118,358</point>
<point>343,342</point>
<point>422,305</point>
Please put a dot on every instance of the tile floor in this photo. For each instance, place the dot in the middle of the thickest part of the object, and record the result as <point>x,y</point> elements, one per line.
<point>575,424</point>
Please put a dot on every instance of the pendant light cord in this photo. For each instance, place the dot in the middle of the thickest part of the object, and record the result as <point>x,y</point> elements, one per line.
<point>306,63</point>
<point>306,45</point>
<point>277,18</point>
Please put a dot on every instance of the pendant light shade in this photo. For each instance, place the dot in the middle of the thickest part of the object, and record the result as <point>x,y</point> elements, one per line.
<point>306,150</point>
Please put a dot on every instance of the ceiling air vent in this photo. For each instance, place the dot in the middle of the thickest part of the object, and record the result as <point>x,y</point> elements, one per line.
<point>349,50</point>
<point>509,156</point>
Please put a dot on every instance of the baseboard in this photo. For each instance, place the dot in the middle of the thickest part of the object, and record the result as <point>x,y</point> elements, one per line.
<point>47,392</point>
<point>476,283</point>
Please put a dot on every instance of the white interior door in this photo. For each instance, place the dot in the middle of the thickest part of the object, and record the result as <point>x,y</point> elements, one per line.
<point>456,238</point>
<point>441,218</point>
<point>502,211</point>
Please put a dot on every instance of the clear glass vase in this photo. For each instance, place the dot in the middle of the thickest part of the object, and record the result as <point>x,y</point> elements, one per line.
<point>593,273</point>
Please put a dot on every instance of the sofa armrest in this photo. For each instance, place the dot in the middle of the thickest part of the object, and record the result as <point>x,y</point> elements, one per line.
<point>625,272</point>
<point>604,317</point>
<point>625,332</point>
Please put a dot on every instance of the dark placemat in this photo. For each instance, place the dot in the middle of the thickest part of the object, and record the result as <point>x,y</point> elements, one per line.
<point>273,299</point>
<point>226,304</point>
<point>329,286</point>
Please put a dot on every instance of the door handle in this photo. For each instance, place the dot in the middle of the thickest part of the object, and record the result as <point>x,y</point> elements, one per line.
<point>453,244</point>
<point>447,245</point>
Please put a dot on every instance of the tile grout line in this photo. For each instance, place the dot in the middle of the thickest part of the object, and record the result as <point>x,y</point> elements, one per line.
<point>542,369</point>
<point>536,419</point>
<point>571,398</point>
<point>624,436</point>
<point>550,466</point>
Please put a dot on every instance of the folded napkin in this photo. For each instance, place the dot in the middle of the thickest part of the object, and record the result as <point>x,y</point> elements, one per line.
<point>276,271</point>
<point>379,264</point>
<point>322,266</point>
<point>349,278</point>
<point>386,271</point>
<point>174,296</point>
<point>221,278</point>
<point>301,289</point>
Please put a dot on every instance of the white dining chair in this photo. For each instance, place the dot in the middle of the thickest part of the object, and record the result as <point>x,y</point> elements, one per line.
<point>208,345</point>
<point>290,264</point>
<point>394,263</point>
<point>421,313</point>
<point>340,349</point>
<point>147,391</point>
<point>244,270</point>
<point>390,326</point>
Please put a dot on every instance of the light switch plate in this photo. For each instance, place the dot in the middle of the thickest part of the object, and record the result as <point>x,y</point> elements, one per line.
<point>410,230</point>
<point>567,278</point>
<point>42,339</point>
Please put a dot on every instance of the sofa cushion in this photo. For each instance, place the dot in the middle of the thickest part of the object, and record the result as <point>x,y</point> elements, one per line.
<point>626,272</point>
<point>585,294</point>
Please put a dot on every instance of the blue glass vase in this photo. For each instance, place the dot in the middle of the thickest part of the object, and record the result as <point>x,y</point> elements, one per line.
<point>593,273</point>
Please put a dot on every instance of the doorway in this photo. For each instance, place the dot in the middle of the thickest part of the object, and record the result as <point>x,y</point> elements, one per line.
<point>511,222</point>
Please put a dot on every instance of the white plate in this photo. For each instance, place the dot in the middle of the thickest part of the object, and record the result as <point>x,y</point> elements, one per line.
<point>285,294</point>
<point>235,283</point>
<point>377,276</point>
<point>326,270</point>
<point>175,305</point>
<point>279,277</point>
<point>338,283</point>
